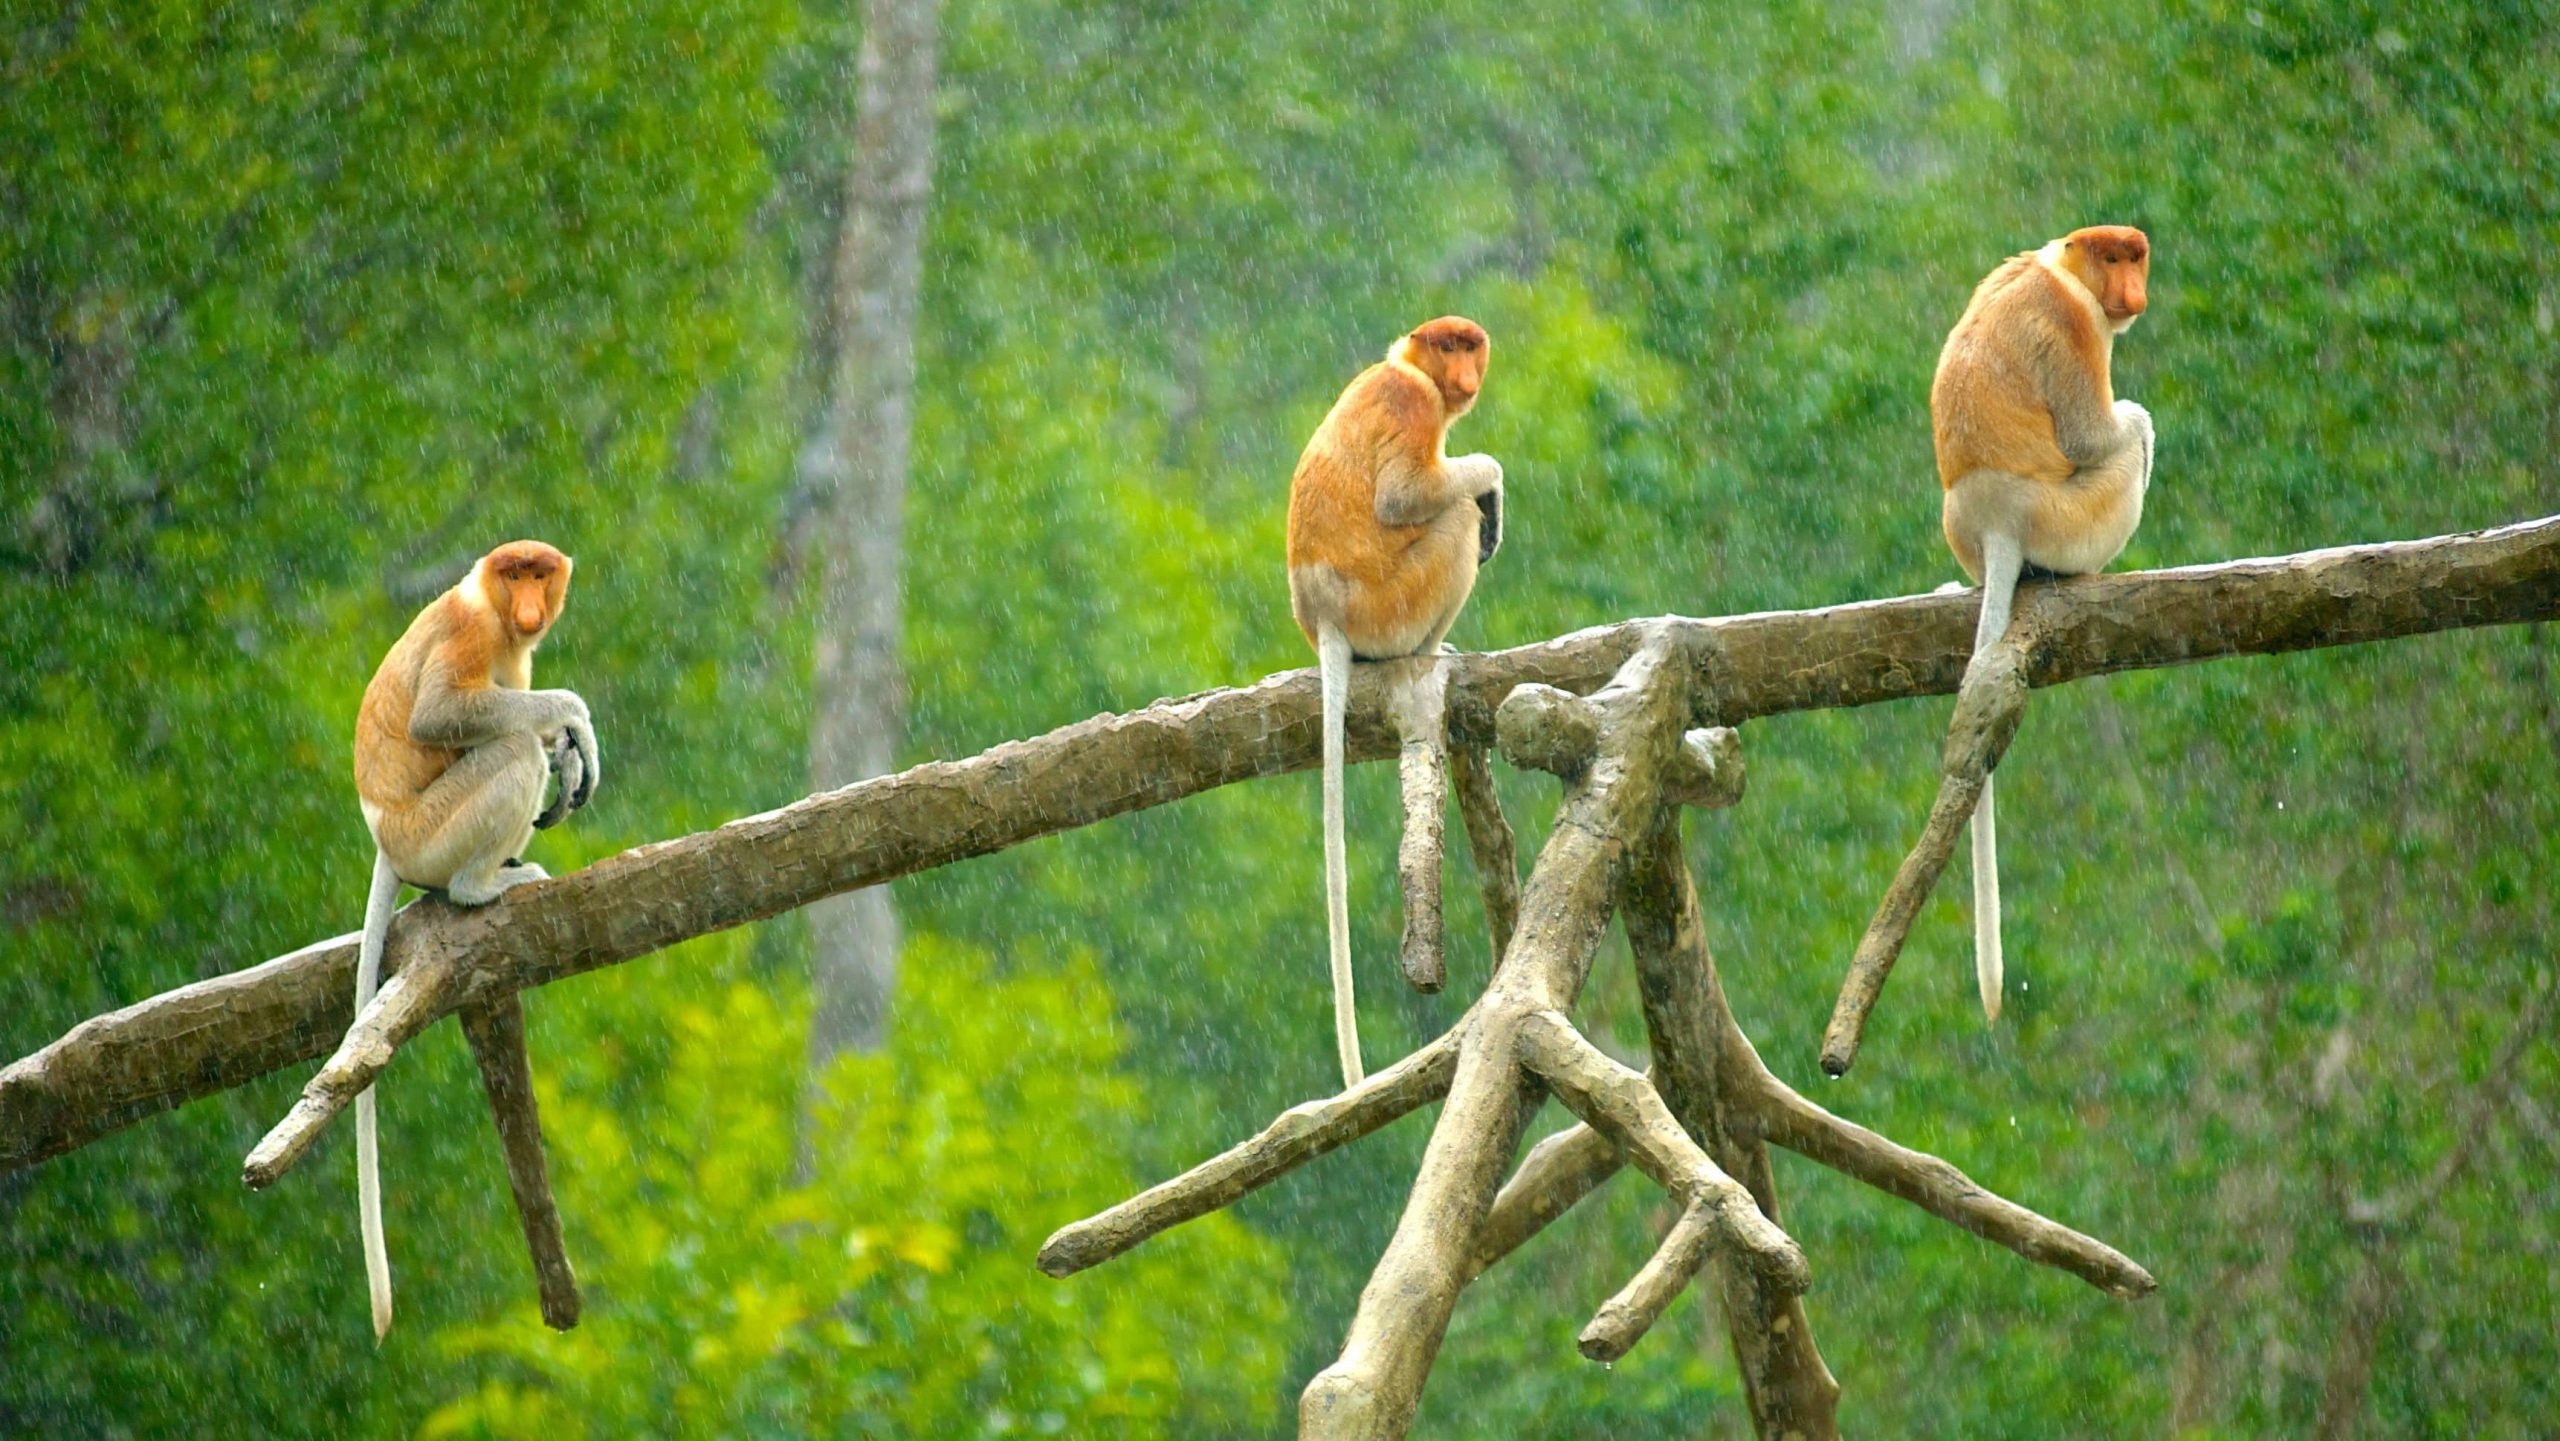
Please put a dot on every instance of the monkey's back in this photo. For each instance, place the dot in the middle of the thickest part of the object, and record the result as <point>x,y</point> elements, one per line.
<point>390,768</point>
<point>1392,577</point>
<point>1987,403</point>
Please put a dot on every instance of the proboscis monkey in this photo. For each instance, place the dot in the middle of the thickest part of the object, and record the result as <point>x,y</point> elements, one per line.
<point>2043,467</point>
<point>1386,530</point>
<point>453,747</point>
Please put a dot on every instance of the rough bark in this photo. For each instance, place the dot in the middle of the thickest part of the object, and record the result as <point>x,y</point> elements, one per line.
<point>1423,770</point>
<point>1705,1072</point>
<point>855,466</point>
<point>115,1069</point>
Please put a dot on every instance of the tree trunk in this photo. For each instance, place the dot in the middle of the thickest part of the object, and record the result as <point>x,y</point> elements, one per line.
<point>855,463</point>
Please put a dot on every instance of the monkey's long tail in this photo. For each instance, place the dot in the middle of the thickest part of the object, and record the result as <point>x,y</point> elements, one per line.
<point>2000,565</point>
<point>1986,906</point>
<point>377,1259</point>
<point>1333,659</point>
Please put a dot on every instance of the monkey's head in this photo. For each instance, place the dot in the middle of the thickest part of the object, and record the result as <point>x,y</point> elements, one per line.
<point>1452,351</point>
<point>2114,261</point>
<point>526,583</point>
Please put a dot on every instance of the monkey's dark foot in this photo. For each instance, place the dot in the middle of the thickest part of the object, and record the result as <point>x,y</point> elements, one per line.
<point>1489,526</point>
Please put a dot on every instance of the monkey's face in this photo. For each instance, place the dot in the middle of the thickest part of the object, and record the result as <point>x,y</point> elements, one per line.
<point>1453,351</point>
<point>2114,261</point>
<point>527,582</point>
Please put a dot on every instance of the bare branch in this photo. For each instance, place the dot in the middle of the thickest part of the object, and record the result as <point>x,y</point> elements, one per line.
<point>496,1031</point>
<point>1623,1319</point>
<point>1541,728</point>
<point>1554,1177</point>
<point>1787,1118</point>
<point>1302,1133</point>
<point>408,1003</point>
<point>1624,1106</point>
<point>118,1068</point>
<point>1707,770</point>
<point>1489,841</point>
<point>1371,1390</point>
<point>1707,1072</point>
<point>1986,717</point>
<point>1422,719</point>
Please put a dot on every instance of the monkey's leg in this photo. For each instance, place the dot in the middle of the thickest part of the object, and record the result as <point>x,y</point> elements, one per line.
<point>466,829</point>
<point>496,1032</point>
<point>1988,707</point>
<point>1421,708</point>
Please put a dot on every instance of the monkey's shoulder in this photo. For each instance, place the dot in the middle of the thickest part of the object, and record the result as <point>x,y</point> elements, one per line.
<point>1387,401</point>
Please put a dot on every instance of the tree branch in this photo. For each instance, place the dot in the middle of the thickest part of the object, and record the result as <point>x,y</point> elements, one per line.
<point>1556,1174</point>
<point>1489,843</point>
<point>407,1004</point>
<point>496,1032</point>
<point>1302,1133</point>
<point>1707,1073</point>
<point>115,1069</point>
<point>1938,1188</point>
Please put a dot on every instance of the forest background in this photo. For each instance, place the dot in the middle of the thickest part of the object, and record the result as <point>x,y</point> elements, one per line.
<point>301,311</point>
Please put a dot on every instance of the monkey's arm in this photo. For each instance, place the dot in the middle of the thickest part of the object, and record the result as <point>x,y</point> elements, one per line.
<point>457,716</point>
<point>1416,494</point>
<point>2087,427</point>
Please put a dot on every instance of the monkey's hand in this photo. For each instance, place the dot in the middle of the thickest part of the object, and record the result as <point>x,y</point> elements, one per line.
<point>1488,524</point>
<point>1475,475</point>
<point>569,772</point>
<point>575,731</point>
<point>2135,423</point>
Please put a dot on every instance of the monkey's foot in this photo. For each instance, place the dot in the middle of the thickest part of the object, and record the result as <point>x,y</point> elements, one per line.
<point>471,892</point>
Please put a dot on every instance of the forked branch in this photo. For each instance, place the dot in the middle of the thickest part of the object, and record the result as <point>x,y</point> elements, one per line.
<point>216,1034</point>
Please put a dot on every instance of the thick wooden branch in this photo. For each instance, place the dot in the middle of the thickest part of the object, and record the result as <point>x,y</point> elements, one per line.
<point>496,1032</point>
<point>1717,1213</point>
<point>1423,770</point>
<point>1554,1177</point>
<point>1371,1390</point>
<point>1938,1188</point>
<point>1625,1106</point>
<point>115,1069</point>
<point>1708,1076</point>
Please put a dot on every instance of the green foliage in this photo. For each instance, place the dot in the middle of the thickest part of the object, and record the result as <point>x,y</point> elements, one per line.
<point>299,312</point>
<point>881,1292</point>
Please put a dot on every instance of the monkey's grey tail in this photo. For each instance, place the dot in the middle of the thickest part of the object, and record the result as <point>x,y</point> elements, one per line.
<point>377,1259</point>
<point>2000,565</point>
<point>1333,660</point>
